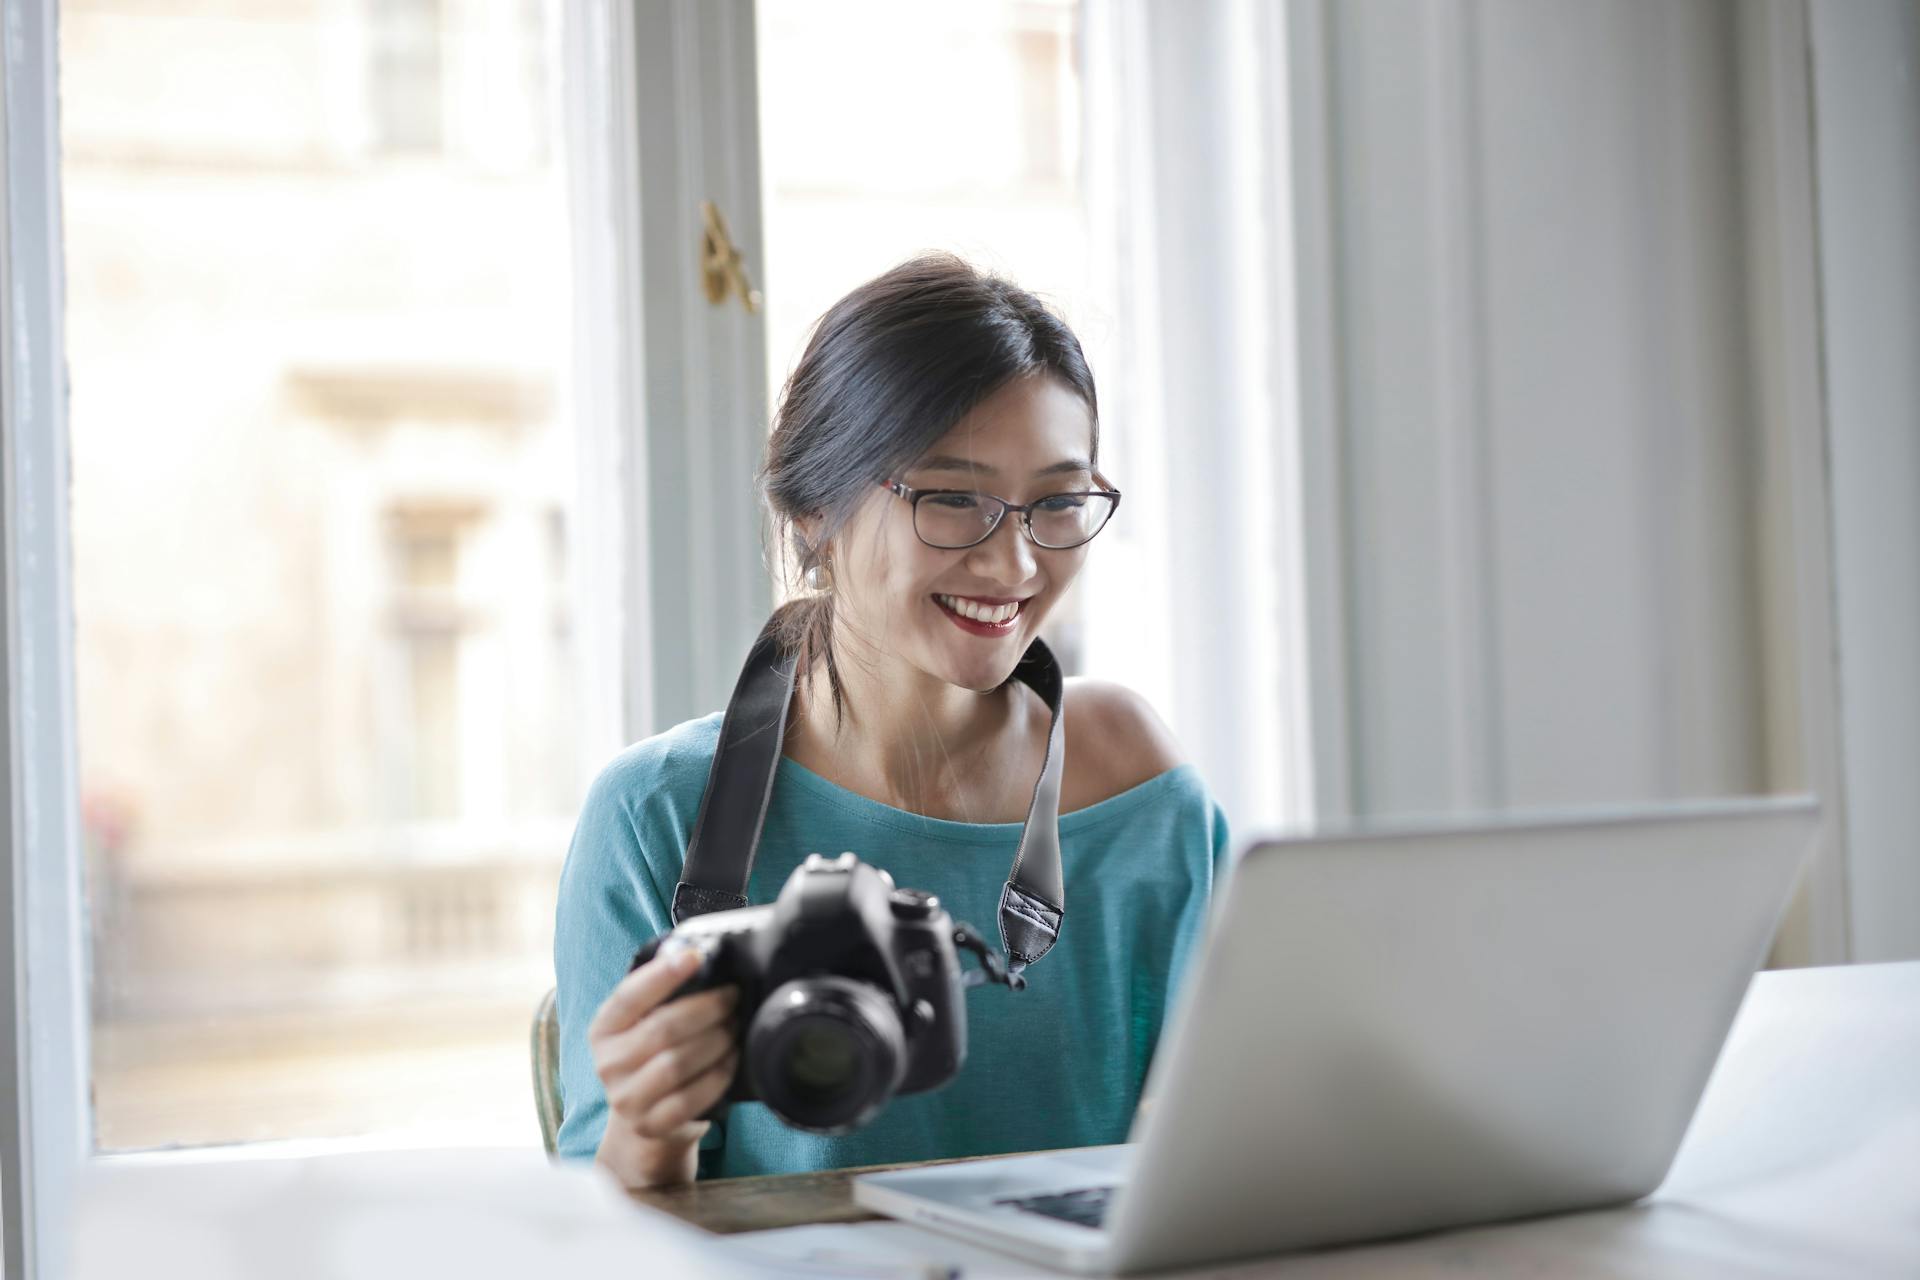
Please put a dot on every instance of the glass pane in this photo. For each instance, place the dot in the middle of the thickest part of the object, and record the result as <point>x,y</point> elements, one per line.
<point>872,150</point>
<point>317,269</point>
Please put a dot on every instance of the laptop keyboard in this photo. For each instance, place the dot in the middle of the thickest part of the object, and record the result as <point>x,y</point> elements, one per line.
<point>1088,1206</point>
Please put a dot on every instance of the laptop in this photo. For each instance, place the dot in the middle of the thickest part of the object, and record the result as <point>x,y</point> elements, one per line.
<point>1393,1030</point>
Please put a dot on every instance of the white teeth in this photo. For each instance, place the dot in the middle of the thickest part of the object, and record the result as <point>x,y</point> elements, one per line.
<point>994,614</point>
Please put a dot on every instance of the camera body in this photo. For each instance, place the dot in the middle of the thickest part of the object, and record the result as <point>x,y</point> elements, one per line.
<point>851,991</point>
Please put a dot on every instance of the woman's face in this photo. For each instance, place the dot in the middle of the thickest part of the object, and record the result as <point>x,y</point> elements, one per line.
<point>1029,439</point>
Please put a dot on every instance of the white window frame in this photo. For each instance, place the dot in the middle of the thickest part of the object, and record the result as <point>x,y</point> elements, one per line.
<point>1857,60</point>
<point>1800,688</point>
<point>47,1131</point>
<point>671,408</point>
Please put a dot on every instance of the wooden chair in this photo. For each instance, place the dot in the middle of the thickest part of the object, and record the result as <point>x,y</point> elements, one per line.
<point>546,1071</point>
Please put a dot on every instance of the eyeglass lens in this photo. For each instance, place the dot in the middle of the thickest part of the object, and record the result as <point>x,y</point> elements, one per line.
<point>962,519</point>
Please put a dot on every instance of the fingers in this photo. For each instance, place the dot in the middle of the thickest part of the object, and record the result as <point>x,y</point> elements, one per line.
<point>683,1063</point>
<point>663,1098</point>
<point>662,1029</point>
<point>681,1107</point>
<point>641,991</point>
<point>636,1094</point>
<point>664,1062</point>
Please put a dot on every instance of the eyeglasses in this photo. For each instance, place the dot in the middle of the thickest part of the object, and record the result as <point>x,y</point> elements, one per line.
<point>952,519</point>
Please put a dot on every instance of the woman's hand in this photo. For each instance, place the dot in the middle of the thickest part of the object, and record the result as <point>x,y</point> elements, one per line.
<point>663,1063</point>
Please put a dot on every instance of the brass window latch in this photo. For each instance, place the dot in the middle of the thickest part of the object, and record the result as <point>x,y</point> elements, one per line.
<point>722,270</point>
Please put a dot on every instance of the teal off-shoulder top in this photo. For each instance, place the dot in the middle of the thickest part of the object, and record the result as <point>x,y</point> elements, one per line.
<point>1059,1064</point>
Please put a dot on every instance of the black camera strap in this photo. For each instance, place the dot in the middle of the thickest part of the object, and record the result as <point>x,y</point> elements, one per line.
<point>726,834</point>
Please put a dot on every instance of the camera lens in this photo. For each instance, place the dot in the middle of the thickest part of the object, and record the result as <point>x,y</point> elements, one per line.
<point>826,1054</point>
<point>822,1060</point>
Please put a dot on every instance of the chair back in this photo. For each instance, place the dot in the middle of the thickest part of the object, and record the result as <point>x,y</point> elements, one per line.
<point>546,1071</point>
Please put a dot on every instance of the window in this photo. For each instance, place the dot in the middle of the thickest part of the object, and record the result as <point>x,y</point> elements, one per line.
<point>406,79</point>
<point>325,664</point>
<point>431,627</point>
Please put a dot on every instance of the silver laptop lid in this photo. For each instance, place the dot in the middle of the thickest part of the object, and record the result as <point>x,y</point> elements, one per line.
<point>1397,1029</point>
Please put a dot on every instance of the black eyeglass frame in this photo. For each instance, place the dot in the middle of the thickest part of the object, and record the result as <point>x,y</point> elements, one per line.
<point>913,496</point>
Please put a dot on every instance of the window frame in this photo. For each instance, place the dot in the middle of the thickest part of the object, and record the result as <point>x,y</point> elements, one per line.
<point>670,389</point>
<point>47,1133</point>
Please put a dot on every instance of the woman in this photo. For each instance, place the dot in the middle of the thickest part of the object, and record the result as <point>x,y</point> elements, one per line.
<point>926,400</point>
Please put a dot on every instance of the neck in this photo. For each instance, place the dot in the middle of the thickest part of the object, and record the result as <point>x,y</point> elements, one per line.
<point>904,737</point>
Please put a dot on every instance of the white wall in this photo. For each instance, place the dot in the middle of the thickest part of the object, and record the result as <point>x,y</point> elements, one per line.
<point>1622,407</point>
<point>1866,86</point>
<point>1547,450</point>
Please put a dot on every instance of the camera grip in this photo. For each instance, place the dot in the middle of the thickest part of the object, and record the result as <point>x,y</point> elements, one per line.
<point>711,973</point>
<point>705,977</point>
<point>672,944</point>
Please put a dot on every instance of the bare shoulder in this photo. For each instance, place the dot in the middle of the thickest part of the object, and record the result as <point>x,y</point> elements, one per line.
<point>1115,741</point>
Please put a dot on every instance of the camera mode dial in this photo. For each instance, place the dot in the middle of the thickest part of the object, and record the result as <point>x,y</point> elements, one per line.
<point>912,904</point>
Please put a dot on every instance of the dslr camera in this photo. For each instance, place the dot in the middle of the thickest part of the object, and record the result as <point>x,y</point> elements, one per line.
<point>851,991</point>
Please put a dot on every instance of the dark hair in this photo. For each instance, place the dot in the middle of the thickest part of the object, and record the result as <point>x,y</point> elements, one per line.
<point>888,370</point>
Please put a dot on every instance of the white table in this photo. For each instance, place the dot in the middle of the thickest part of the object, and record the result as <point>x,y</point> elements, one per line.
<point>1802,1161</point>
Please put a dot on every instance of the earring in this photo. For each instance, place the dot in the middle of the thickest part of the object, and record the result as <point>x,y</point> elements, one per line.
<point>820,576</point>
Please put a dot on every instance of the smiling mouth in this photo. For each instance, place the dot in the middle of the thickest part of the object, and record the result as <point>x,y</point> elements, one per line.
<point>997,617</point>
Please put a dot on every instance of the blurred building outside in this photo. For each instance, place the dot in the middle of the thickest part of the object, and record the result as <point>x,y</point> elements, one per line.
<point>317,298</point>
